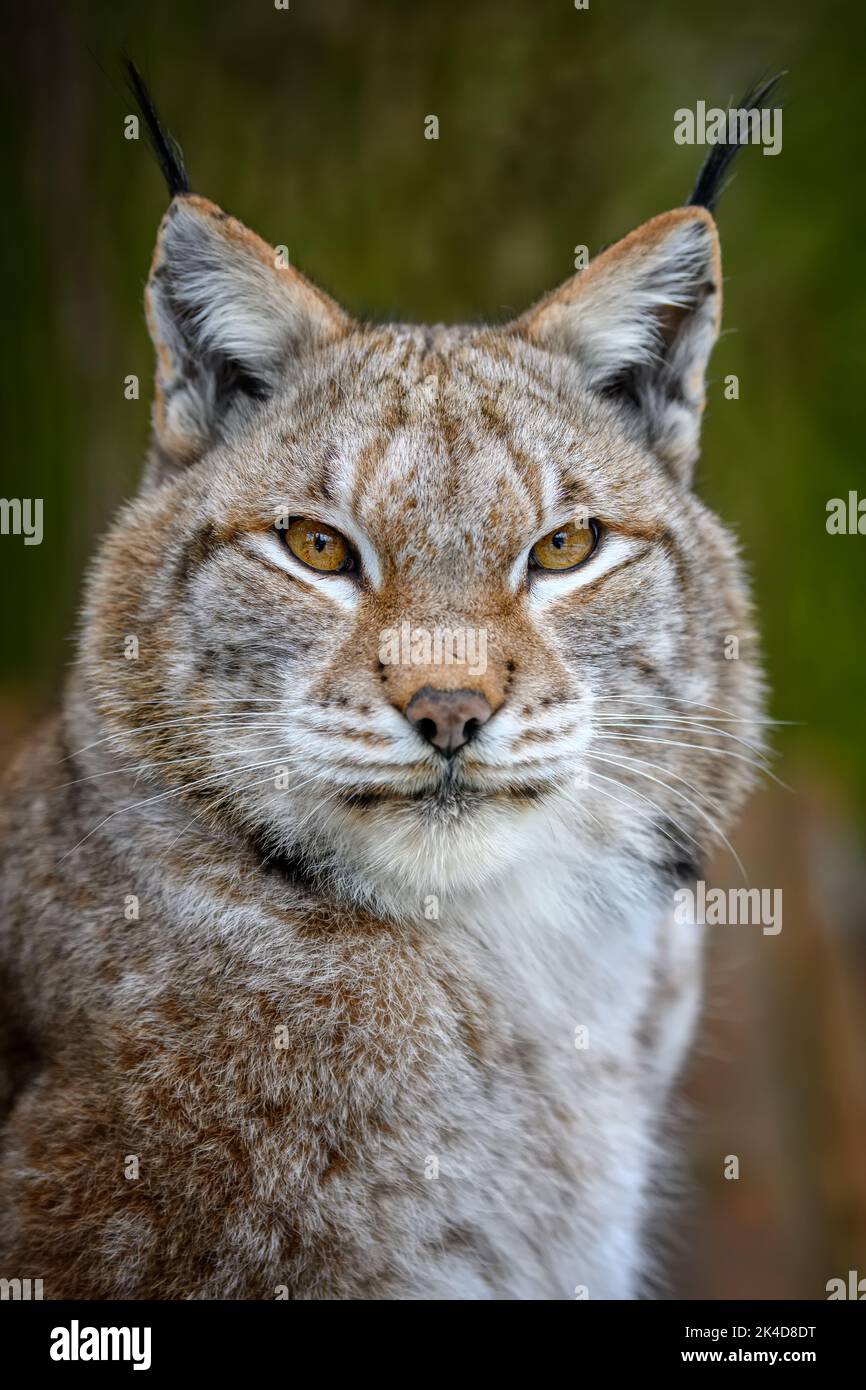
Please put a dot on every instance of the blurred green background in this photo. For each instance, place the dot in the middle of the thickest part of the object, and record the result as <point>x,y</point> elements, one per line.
<point>556,129</point>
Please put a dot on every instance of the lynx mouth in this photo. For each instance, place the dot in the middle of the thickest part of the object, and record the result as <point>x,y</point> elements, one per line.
<point>449,797</point>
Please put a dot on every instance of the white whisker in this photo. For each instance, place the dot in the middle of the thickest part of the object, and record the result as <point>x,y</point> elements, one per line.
<point>629,808</point>
<point>178,791</point>
<point>628,766</point>
<point>700,747</point>
<point>139,769</point>
<point>682,726</point>
<point>189,719</point>
<point>623,786</point>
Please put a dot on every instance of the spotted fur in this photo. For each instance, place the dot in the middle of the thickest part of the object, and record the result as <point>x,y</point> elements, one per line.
<point>320,982</point>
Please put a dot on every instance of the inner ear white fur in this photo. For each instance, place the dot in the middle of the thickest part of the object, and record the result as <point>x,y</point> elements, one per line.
<point>646,312</point>
<point>222,308</point>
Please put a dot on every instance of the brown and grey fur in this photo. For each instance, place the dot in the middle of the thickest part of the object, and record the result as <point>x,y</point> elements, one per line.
<point>285,1037</point>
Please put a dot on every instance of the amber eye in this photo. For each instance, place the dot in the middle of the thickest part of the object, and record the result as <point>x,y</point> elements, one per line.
<point>566,547</point>
<point>318,546</point>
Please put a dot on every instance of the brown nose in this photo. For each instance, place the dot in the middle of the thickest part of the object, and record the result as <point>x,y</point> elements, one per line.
<point>447,718</point>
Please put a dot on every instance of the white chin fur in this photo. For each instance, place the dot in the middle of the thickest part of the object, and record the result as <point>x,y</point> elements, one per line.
<point>406,855</point>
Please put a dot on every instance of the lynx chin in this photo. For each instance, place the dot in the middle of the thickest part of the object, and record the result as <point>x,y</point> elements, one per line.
<point>328,1088</point>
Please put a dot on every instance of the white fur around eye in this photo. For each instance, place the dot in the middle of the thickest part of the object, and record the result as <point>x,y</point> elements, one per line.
<point>340,588</point>
<point>547,586</point>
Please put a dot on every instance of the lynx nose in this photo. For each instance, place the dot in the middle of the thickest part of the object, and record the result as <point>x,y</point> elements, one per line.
<point>447,718</point>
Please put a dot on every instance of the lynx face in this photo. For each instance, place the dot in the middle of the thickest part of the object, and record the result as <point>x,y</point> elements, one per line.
<point>325,498</point>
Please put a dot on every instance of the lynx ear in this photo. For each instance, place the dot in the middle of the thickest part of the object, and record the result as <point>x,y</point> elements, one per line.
<point>641,321</point>
<point>226,318</point>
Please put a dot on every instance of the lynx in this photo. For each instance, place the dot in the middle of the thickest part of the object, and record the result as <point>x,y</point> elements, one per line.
<point>329,977</point>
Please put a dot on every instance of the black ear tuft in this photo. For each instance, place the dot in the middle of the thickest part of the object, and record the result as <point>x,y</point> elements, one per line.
<point>168,152</point>
<point>708,188</point>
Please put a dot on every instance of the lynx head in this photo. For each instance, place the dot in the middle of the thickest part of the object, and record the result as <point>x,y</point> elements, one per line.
<point>413,600</point>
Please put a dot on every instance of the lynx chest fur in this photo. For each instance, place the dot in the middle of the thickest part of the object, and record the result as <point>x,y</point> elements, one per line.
<point>243,1091</point>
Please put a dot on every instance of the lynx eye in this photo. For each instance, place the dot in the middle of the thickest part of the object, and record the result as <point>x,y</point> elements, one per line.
<point>318,546</point>
<point>566,547</point>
